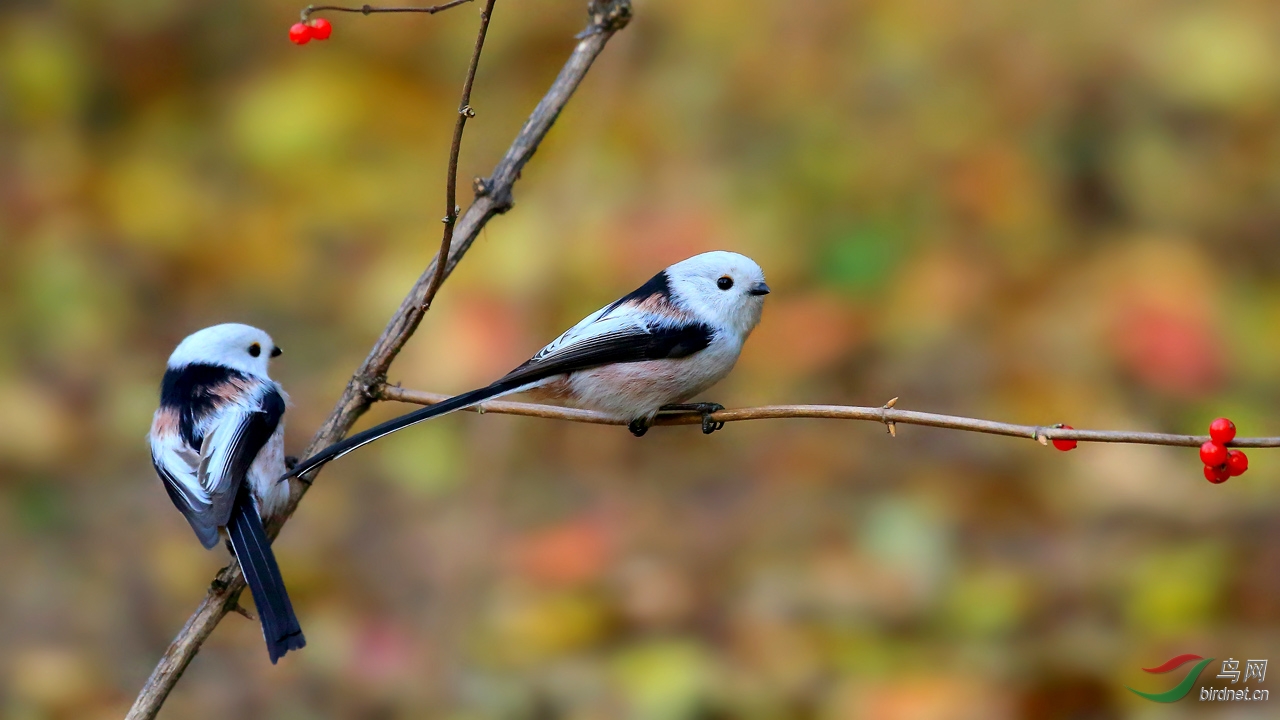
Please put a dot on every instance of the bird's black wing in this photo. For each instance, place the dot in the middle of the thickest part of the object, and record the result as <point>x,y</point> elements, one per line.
<point>627,342</point>
<point>231,446</point>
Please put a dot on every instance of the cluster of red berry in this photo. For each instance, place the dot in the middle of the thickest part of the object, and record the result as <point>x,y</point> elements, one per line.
<point>1219,462</point>
<point>303,33</point>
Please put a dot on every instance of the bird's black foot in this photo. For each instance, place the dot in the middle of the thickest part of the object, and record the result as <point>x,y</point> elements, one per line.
<point>639,427</point>
<point>706,410</point>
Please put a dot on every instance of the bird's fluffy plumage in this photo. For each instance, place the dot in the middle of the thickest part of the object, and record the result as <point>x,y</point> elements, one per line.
<point>669,340</point>
<point>217,442</point>
<point>219,409</point>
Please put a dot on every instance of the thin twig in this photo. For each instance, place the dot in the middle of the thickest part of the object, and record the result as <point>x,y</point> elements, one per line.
<point>451,180</point>
<point>886,414</point>
<point>242,610</point>
<point>370,9</point>
<point>606,18</point>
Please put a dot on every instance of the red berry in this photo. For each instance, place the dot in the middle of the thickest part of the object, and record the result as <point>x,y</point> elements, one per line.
<point>1213,454</point>
<point>1237,462</point>
<point>321,30</point>
<point>300,34</point>
<point>1216,475</point>
<point>1065,445</point>
<point>1222,431</point>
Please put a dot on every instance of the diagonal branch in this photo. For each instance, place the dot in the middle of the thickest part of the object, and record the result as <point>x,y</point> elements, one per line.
<point>885,414</point>
<point>493,197</point>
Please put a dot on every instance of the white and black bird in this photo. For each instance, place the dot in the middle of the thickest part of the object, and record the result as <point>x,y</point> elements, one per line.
<point>217,442</point>
<point>661,345</point>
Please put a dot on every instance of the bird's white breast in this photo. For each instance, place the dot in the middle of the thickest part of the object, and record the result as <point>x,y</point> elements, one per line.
<point>265,473</point>
<point>632,391</point>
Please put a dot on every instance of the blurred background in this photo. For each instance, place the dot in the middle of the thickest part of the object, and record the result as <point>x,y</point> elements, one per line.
<point>1031,212</point>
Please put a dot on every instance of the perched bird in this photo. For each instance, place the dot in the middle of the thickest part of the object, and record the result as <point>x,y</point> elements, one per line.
<point>670,339</point>
<point>217,442</point>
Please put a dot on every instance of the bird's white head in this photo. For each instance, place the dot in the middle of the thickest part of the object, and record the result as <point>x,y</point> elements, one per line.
<point>232,345</point>
<point>724,288</point>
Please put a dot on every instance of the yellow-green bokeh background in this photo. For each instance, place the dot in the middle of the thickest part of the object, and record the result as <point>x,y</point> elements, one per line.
<point>1029,211</point>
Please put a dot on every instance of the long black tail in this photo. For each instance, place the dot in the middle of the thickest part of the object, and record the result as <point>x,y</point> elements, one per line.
<point>253,550</point>
<point>360,439</point>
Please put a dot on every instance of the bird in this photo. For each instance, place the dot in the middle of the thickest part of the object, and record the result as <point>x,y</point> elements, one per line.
<point>651,350</point>
<point>217,443</point>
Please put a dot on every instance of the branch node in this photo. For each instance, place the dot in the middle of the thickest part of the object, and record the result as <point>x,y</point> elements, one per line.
<point>480,186</point>
<point>1037,434</point>
<point>371,388</point>
<point>467,111</point>
<point>503,200</point>
<point>606,16</point>
<point>889,425</point>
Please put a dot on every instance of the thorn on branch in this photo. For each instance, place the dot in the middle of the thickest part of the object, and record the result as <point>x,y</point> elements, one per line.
<point>889,425</point>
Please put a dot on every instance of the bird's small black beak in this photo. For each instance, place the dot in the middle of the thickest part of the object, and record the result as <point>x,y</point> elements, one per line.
<point>276,352</point>
<point>759,289</point>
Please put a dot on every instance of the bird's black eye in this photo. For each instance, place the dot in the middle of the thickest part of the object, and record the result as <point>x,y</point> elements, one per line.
<point>255,350</point>
<point>276,352</point>
<point>724,283</point>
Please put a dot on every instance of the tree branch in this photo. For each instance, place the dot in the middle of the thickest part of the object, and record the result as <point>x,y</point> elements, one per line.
<point>451,179</point>
<point>494,196</point>
<point>371,9</point>
<point>885,414</point>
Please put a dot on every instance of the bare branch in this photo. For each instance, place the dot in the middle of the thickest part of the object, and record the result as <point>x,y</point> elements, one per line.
<point>885,414</point>
<point>494,197</point>
<point>370,9</point>
<point>451,180</point>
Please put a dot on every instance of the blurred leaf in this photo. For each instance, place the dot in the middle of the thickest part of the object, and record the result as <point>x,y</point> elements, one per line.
<point>862,258</point>
<point>663,679</point>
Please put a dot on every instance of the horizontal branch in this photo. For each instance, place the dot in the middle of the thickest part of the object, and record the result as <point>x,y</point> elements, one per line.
<point>886,414</point>
<point>371,9</point>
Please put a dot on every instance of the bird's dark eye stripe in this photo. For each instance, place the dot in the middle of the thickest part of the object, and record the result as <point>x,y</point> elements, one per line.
<point>255,350</point>
<point>724,283</point>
